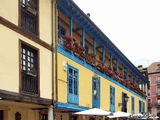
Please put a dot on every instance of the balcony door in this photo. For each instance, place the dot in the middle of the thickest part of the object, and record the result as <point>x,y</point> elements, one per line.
<point>112,99</point>
<point>95,92</point>
<point>72,79</point>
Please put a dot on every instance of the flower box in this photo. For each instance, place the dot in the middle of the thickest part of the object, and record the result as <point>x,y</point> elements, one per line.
<point>69,46</point>
<point>109,71</point>
<point>91,59</point>
<point>82,56</point>
<point>34,74</point>
<point>67,38</point>
<point>100,66</point>
<point>31,10</point>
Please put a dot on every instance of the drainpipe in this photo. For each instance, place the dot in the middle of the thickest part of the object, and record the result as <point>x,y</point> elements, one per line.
<point>56,53</point>
<point>54,58</point>
<point>52,32</point>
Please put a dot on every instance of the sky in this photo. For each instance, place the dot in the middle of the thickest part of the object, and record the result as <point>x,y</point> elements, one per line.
<point>132,25</point>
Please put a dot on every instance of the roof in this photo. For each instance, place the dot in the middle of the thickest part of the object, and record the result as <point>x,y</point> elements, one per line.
<point>154,67</point>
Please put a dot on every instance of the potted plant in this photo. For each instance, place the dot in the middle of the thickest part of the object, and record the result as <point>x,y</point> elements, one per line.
<point>100,66</point>
<point>67,38</point>
<point>91,59</point>
<point>76,49</point>
<point>68,43</point>
<point>109,71</point>
<point>32,72</point>
<point>69,46</point>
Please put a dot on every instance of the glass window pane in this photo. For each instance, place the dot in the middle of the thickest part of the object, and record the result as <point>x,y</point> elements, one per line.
<point>24,57</point>
<point>29,64</point>
<point>28,58</point>
<point>24,62</point>
<point>24,68</point>
<point>29,53</point>
<point>32,60</point>
<point>24,51</point>
<point>32,65</point>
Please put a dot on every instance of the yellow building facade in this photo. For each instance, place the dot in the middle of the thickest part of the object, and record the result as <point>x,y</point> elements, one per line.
<point>26,59</point>
<point>91,72</point>
<point>56,61</point>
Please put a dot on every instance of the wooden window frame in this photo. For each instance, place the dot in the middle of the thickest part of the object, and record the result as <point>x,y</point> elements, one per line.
<point>19,20</point>
<point>73,85</point>
<point>20,70</point>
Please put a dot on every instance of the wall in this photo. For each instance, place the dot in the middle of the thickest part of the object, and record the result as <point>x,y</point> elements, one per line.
<point>85,87</point>
<point>9,57</point>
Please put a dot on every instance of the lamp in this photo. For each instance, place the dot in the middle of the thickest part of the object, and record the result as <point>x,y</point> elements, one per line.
<point>126,98</point>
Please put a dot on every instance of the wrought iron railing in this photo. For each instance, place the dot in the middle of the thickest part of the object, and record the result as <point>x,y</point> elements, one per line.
<point>28,20</point>
<point>29,84</point>
<point>61,41</point>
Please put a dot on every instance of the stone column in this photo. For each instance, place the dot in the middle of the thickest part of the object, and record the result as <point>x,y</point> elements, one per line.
<point>50,112</point>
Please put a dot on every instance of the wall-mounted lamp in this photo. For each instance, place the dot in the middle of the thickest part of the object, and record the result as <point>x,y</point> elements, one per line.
<point>126,98</point>
<point>64,65</point>
<point>95,92</point>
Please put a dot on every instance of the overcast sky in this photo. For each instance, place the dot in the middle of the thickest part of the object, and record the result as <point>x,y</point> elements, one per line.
<point>132,25</point>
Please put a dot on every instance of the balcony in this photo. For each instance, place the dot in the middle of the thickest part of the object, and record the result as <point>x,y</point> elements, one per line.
<point>76,50</point>
<point>29,84</point>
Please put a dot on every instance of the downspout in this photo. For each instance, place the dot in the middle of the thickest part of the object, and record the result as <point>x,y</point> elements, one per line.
<point>53,34</point>
<point>54,58</point>
<point>56,53</point>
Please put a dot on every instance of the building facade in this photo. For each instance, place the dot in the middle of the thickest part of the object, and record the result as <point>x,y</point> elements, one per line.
<point>26,60</point>
<point>56,61</point>
<point>91,71</point>
<point>154,93</point>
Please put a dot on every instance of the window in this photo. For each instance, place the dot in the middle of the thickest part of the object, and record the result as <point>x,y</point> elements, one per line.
<point>132,101</point>
<point>149,92</point>
<point>29,68</point>
<point>141,106</point>
<point>158,90</point>
<point>95,92</point>
<point>124,103</point>
<point>112,99</point>
<point>29,15</point>
<point>158,101</point>
<point>158,79</point>
<point>73,85</point>
<point>61,31</point>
